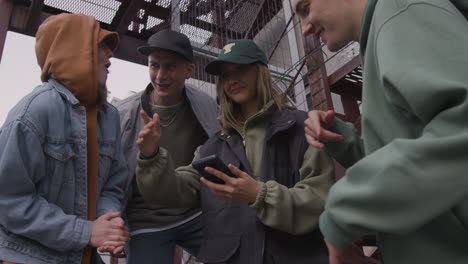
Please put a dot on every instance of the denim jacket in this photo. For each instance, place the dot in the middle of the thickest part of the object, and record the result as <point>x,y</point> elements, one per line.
<point>43,189</point>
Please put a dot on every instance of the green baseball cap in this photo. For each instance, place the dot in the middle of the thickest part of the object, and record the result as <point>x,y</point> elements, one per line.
<point>239,51</point>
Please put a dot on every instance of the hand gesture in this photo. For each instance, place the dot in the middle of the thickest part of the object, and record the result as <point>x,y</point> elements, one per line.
<point>109,233</point>
<point>149,136</point>
<point>109,246</point>
<point>316,128</point>
<point>244,188</point>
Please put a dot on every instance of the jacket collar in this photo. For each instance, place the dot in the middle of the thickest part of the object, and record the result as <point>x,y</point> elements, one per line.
<point>64,91</point>
<point>236,144</point>
<point>67,94</point>
<point>281,121</point>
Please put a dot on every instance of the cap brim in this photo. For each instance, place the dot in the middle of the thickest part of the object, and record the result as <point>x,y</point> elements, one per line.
<point>214,67</point>
<point>147,50</point>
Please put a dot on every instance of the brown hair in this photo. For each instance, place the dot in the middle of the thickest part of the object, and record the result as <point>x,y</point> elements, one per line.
<point>230,115</point>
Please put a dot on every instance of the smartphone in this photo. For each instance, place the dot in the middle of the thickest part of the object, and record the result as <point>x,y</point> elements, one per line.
<point>214,162</point>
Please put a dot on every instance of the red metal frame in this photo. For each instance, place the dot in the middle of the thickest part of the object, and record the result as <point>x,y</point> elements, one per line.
<point>6,9</point>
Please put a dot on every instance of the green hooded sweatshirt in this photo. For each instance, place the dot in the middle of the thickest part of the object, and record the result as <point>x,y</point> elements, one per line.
<point>407,176</point>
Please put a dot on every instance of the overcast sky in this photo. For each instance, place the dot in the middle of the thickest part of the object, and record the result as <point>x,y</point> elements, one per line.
<point>19,73</point>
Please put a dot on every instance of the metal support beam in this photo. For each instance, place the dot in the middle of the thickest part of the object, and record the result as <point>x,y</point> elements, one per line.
<point>233,7</point>
<point>299,89</point>
<point>198,8</point>
<point>127,50</point>
<point>345,69</point>
<point>260,9</point>
<point>19,16</point>
<point>175,15</point>
<point>219,36</point>
<point>128,10</point>
<point>351,108</point>
<point>34,13</point>
<point>268,10</point>
<point>318,80</point>
<point>349,91</point>
<point>6,9</point>
<point>346,88</point>
<point>189,18</point>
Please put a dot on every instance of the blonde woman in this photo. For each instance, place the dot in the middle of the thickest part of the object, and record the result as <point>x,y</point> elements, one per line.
<point>269,212</point>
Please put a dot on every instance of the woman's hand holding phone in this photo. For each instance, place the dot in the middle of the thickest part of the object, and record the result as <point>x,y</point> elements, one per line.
<point>244,188</point>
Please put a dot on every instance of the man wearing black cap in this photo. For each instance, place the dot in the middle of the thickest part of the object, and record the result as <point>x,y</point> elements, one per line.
<point>187,118</point>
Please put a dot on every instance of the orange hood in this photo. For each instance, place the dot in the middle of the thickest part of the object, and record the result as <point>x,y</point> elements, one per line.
<point>67,50</point>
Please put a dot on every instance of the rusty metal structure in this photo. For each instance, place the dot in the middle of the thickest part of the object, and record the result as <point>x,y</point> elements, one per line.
<point>309,75</point>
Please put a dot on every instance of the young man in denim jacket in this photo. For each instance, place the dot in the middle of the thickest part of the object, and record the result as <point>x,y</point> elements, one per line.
<point>62,172</point>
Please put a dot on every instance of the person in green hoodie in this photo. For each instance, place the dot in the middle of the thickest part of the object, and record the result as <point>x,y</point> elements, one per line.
<point>269,213</point>
<point>406,176</point>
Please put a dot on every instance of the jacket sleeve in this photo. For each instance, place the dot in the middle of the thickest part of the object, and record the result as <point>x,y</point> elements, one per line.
<point>302,203</point>
<point>350,149</point>
<point>24,210</point>
<point>427,172</point>
<point>159,182</point>
<point>112,194</point>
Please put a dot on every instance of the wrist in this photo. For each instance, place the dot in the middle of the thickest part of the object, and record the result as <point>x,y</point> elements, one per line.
<point>260,197</point>
<point>254,195</point>
<point>150,156</point>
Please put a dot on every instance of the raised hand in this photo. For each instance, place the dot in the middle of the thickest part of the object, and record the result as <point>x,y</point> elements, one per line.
<point>317,128</point>
<point>150,135</point>
<point>244,188</point>
<point>109,233</point>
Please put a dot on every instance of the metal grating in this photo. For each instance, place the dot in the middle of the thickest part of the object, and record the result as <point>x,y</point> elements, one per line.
<point>355,76</point>
<point>102,10</point>
<point>209,24</point>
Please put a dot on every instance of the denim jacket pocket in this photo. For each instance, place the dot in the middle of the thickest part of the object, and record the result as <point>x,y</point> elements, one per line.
<point>59,169</point>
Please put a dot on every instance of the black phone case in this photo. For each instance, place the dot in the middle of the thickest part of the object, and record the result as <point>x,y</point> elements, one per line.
<point>213,162</point>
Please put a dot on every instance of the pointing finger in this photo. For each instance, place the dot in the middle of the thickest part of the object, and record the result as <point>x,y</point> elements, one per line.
<point>145,117</point>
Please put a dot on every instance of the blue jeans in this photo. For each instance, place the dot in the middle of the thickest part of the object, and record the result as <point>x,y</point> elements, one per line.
<point>158,247</point>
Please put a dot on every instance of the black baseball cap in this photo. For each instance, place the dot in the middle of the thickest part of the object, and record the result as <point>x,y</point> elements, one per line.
<point>239,51</point>
<point>169,40</point>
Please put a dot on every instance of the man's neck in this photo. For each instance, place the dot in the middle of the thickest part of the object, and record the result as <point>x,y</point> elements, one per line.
<point>165,101</point>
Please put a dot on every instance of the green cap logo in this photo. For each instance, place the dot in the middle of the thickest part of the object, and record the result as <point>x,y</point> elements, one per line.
<point>228,47</point>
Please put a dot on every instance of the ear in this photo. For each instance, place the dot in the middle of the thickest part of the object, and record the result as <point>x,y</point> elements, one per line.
<point>190,70</point>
